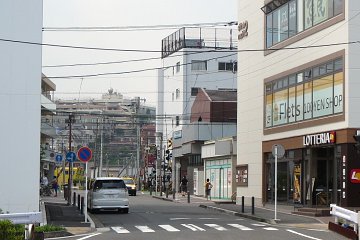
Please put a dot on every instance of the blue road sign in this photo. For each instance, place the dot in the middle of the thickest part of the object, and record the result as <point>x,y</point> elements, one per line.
<point>58,157</point>
<point>84,154</point>
<point>70,157</point>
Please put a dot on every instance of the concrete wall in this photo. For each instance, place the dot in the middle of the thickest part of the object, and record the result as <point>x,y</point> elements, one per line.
<point>20,94</point>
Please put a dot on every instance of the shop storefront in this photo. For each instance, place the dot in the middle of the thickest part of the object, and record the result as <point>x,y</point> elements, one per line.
<point>316,170</point>
<point>220,174</point>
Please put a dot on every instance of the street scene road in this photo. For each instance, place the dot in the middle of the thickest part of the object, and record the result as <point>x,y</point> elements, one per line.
<point>157,219</point>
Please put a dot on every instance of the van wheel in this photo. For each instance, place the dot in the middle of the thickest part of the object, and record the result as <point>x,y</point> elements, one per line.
<point>126,210</point>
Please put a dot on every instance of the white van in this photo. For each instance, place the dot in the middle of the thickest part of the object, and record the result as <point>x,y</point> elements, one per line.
<point>108,193</point>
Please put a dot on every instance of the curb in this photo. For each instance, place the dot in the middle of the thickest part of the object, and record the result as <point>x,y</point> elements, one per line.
<point>165,199</point>
<point>259,219</point>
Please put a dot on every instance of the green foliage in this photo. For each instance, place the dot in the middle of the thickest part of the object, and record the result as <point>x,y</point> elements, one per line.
<point>49,228</point>
<point>10,231</point>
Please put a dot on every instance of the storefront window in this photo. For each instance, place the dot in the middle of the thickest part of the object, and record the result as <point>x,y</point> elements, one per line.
<point>313,93</point>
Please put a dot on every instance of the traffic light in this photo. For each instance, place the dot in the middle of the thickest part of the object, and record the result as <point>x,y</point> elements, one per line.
<point>170,143</point>
<point>168,154</point>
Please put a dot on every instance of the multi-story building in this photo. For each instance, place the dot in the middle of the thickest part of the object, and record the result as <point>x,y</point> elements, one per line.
<point>192,58</point>
<point>111,127</point>
<point>20,91</point>
<point>48,131</point>
<point>299,91</point>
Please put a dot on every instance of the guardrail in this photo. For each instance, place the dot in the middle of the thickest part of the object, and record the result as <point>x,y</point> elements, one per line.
<point>29,219</point>
<point>351,218</point>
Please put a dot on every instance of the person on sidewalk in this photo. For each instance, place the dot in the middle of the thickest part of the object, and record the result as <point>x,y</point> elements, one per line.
<point>208,187</point>
<point>55,185</point>
<point>183,186</point>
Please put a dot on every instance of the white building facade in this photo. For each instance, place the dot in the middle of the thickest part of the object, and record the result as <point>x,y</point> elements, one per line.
<point>192,58</point>
<point>20,104</point>
<point>304,97</point>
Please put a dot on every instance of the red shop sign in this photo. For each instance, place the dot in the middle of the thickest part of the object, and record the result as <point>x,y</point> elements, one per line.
<point>355,176</point>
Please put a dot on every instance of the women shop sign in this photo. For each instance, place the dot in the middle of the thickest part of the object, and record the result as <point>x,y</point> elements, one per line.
<point>320,138</point>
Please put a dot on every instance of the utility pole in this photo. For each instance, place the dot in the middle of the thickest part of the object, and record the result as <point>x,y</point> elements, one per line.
<point>70,121</point>
<point>101,146</point>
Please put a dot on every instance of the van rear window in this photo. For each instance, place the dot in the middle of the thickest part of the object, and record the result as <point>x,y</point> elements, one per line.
<point>109,184</point>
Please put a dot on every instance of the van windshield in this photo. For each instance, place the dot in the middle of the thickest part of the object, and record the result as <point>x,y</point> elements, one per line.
<point>109,184</point>
<point>129,181</point>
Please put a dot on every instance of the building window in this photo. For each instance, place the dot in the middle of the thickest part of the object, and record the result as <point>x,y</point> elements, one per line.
<point>178,67</point>
<point>282,21</point>
<point>194,91</point>
<point>312,93</point>
<point>177,93</point>
<point>227,66</point>
<point>197,65</point>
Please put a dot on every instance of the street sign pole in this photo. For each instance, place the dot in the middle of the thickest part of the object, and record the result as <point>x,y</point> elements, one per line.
<point>84,154</point>
<point>86,190</point>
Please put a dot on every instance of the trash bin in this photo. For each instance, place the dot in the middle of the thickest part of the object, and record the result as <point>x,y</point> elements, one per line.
<point>66,191</point>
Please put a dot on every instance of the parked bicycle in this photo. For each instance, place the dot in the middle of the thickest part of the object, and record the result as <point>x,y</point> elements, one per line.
<point>45,190</point>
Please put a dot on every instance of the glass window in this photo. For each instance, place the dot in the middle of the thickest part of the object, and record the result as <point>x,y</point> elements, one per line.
<point>292,18</point>
<point>338,92</point>
<point>221,66</point>
<point>269,30</point>
<point>322,96</point>
<point>308,15</point>
<point>338,6</point>
<point>279,107</point>
<point>276,28</point>
<point>197,65</point>
<point>268,110</point>
<point>320,11</point>
<point>307,100</point>
<point>291,110</point>
<point>307,74</point>
<point>299,102</point>
<point>338,64</point>
<point>300,77</point>
<point>284,22</point>
<point>292,80</point>
<point>315,71</point>
<point>178,67</point>
<point>322,69</point>
<point>329,67</point>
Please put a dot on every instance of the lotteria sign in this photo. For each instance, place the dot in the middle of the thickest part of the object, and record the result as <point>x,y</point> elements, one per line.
<point>319,139</point>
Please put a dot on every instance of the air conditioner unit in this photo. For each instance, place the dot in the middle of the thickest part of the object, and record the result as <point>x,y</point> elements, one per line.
<point>46,166</point>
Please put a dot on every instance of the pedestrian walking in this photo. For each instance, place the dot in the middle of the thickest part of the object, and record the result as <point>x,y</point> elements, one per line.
<point>183,186</point>
<point>55,185</point>
<point>208,187</point>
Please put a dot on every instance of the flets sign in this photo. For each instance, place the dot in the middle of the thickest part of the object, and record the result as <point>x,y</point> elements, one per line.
<point>355,176</point>
<point>319,139</point>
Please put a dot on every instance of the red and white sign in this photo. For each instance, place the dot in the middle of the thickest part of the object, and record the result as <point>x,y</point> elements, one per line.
<point>355,176</point>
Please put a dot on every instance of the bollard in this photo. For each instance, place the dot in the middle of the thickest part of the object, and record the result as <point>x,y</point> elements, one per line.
<point>78,202</point>
<point>174,193</point>
<point>252,205</point>
<point>74,198</point>
<point>82,205</point>
<point>188,196</point>
<point>167,192</point>
<point>242,204</point>
<point>151,190</point>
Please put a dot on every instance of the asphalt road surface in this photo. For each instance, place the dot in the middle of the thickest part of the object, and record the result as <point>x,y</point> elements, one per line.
<point>156,219</point>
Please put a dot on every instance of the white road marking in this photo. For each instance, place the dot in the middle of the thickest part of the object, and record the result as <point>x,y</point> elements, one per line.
<point>120,230</point>
<point>92,235</point>
<point>169,228</point>
<point>271,229</point>
<point>318,230</point>
<point>217,227</point>
<point>258,225</point>
<point>144,229</point>
<point>303,235</point>
<point>241,227</point>
<point>208,218</point>
<point>171,219</point>
<point>193,227</point>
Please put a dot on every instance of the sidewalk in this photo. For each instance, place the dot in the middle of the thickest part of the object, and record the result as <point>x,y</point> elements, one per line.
<point>57,212</point>
<point>262,214</point>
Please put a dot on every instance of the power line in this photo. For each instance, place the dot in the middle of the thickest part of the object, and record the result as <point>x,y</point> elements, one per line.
<point>141,28</point>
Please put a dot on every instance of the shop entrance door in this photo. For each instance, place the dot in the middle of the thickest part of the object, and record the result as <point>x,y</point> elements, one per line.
<point>323,173</point>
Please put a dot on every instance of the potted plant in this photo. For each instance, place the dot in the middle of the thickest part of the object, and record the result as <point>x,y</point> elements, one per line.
<point>49,231</point>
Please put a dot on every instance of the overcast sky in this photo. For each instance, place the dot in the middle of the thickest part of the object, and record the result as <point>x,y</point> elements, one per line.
<point>117,13</point>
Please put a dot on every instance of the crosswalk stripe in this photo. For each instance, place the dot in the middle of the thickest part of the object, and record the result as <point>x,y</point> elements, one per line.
<point>241,227</point>
<point>271,229</point>
<point>169,228</point>
<point>258,225</point>
<point>144,229</point>
<point>120,230</point>
<point>193,227</point>
<point>217,227</point>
